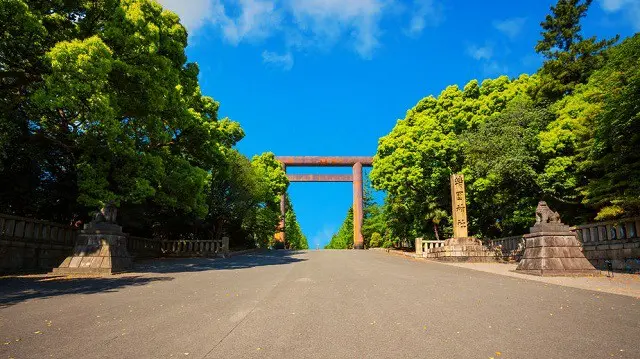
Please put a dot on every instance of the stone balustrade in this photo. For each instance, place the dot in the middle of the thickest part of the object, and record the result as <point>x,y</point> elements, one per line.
<point>617,242</point>
<point>140,247</point>
<point>31,244</point>
<point>192,248</point>
<point>510,247</point>
<point>424,246</point>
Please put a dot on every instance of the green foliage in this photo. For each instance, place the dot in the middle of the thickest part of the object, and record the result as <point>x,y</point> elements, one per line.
<point>343,239</point>
<point>376,240</point>
<point>613,163</point>
<point>568,135</point>
<point>502,166</point>
<point>570,58</point>
<point>293,233</point>
<point>413,163</point>
<point>98,103</point>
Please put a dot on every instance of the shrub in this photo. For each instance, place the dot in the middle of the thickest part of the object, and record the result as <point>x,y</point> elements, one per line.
<point>376,240</point>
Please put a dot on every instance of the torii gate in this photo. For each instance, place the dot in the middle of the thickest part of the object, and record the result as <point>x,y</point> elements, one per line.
<point>316,161</point>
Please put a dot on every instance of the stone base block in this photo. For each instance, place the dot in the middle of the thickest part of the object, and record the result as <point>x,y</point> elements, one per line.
<point>97,253</point>
<point>466,249</point>
<point>554,254</point>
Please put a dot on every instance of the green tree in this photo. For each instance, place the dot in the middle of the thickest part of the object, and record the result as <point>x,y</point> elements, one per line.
<point>503,164</point>
<point>597,131</point>
<point>413,163</point>
<point>293,233</point>
<point>343,239</point>
<point>103,106</point>
<point>376,240</point>
<point>570,58</point>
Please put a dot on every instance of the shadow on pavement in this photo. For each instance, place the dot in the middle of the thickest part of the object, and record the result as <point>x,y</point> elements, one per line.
<point>14,290</point>
<point>180,265</point>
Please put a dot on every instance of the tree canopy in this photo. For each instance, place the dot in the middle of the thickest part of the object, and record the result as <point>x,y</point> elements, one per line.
<point>567,135</point>
<point>98,103</point>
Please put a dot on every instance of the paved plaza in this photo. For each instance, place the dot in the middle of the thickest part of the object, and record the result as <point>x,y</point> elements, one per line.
<point>313,304</point>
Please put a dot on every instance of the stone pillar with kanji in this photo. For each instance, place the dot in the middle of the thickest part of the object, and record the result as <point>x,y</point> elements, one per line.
<point>459,206</point>
<point>461,247</point>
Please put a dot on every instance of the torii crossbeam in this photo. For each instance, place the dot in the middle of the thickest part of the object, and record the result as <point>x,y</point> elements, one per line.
<point>318,161</point>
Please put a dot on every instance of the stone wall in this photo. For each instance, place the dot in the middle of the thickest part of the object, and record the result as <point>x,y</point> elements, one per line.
<point>615,241</point>
<point>32,245</point>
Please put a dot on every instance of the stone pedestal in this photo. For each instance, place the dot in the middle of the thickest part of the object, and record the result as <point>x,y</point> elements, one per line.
<point>554,254</point>
<point>101,248</point>
<point>465,249</point>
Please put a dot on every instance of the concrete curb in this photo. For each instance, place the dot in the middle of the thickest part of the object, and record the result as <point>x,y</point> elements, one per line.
<point>397,252</point>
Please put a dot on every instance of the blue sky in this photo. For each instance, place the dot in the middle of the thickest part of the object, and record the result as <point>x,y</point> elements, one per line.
<point>330,77</point>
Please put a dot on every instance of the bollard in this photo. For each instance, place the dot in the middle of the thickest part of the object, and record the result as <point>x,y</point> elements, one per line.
<point>419,246</point>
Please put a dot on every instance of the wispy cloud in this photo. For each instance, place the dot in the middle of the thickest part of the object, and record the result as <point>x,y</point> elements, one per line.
<point>329,20</point>
<point>424,13</point>
<point>304,23</point>
<point>480,52</point>
<point>510,27</point>
<point>631,9</point>
<point>485,56</point>
<point>492,68</point>
<point>193,13</point>
<point>284,61</point>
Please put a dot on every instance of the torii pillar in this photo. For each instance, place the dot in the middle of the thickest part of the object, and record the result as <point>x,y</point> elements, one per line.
<point>358,241</point>
<point>356,178</point>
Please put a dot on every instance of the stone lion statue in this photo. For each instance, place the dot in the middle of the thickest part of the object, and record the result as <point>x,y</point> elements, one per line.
<point>107,214</point>
<point>544,214</point>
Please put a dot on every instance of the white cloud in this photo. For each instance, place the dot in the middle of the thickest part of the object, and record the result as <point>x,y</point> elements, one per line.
<point>480,52</point>
<point>510,27</point>
<point>329,20</point>
<point>425,13</point>
<point>631,9</point>
<point>614,5</point>
<point>304,23</point>
<point>284,61</point>
<point>193,13</point>
<point>255,20</point>
<point>491,68</point>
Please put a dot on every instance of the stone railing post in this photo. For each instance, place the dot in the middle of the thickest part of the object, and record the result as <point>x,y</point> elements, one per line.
<point>225,246</point>
<point>419,246</point>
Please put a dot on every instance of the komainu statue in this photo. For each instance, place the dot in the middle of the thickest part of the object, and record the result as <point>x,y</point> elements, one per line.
<point>547,220</point>
<point>544,214</point>
<point>107,214</point>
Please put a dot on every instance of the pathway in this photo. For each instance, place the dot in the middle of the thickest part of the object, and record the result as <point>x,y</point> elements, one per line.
<point>316,304</point>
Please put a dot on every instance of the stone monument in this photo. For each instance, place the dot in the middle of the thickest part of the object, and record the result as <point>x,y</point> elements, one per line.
<point>551,249</point>
<point>101,247</point>
<point>460,248</point>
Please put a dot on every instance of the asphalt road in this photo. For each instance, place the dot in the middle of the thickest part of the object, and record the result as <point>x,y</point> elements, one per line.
<point>317,304</point>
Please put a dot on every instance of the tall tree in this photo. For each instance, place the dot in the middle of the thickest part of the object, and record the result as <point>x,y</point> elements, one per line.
<point>570,58</point>
<point>293,233</point>
<point>343,239</point>
<point>413,162</point>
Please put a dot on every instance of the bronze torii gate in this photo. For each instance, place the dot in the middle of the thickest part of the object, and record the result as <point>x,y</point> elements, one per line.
<point>316,161</point>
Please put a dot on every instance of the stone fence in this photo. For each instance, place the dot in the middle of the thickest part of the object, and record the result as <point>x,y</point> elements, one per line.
<point>615,241</point>
<point>424,246</point>
<point>149,248</point>
<point>33,245</point>
<point>511,247</point>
